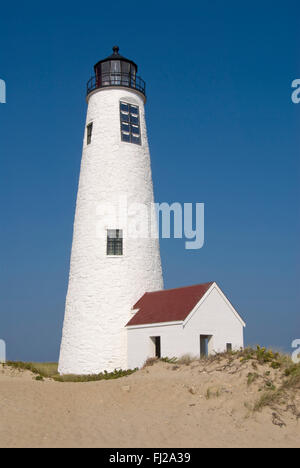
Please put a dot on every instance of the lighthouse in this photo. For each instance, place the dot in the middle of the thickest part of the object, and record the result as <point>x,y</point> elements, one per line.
<point>110,268</point>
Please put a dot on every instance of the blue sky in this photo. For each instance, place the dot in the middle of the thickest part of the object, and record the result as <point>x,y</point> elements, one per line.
<point>222,131</point>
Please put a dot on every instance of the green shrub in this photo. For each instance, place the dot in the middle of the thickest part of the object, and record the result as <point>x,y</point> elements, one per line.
<point>275,365</point>
<point>40,378</point>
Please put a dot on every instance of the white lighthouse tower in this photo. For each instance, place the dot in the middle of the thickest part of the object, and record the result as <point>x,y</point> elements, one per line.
<point>110,268</point>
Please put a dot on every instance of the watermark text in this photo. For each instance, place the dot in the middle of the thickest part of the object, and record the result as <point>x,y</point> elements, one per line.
<point>2,351</point>
<point>296,353</point>
<point>296,93</point>
<point>2,92</point>
<point>152,220</point>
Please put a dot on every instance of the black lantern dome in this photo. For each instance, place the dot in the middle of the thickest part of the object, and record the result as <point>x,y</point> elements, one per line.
<point>116,71</point>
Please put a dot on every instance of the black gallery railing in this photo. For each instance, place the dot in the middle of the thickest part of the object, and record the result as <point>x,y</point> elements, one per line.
<point>116,79</point>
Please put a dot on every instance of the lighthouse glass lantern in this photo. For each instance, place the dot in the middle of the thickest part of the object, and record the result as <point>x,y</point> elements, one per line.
<point>110,267</point>
<point>116,70</point>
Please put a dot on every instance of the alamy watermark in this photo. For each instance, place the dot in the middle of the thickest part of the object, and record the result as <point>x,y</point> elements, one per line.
<point>152,220</point>
<point>296,93</point>
<point>2,351</point>
<point>2,92</point>
<point>296,353</point>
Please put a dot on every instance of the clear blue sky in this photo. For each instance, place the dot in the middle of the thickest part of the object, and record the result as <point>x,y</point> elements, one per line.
<point>222,131</point>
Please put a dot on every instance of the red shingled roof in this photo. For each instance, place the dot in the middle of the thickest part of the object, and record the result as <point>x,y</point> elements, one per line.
<point>169,305</point>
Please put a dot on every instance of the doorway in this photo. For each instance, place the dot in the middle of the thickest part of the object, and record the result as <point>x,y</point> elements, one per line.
<point>157,346</point>
<point>205,342</point>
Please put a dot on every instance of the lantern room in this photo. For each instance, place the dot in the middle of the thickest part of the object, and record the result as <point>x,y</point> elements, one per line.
<point>116,70</point>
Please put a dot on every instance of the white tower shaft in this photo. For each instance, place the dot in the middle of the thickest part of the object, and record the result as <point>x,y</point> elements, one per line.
<point>103,288</point>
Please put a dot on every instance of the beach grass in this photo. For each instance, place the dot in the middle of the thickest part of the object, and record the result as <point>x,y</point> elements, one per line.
<point>258,356</point>
<point>49,370</point>
<point>44,369</point>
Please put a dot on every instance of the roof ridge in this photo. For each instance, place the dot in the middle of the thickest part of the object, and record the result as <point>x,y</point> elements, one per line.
<point>180,287</point>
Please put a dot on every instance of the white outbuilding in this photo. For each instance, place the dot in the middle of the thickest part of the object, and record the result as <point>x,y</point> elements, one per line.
<point>197,320</point>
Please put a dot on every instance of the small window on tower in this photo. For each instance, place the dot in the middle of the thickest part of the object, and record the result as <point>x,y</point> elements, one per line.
<point>114,242</point>
<point>89,133</point>
<point>130,123</point>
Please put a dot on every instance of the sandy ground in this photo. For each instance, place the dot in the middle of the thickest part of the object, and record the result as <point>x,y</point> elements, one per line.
<point>199,405</point>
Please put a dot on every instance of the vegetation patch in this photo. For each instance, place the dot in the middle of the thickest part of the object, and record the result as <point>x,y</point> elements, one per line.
<point>169,360</point>
<point>252,377</point>
<point>150,362</point>
<point>45,369</point>
<point>290,384</point>
<point>117,374</point>
<point>212,393</point>
<point>268,398</point>
<point>262,356</point>
<point>185,360</point>
<point>50,370</point>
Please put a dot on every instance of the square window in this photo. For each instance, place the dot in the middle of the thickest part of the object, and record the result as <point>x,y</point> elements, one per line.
<point>124,117</point>
<point>124,107</point>
<point>134,119</point>
<point>135,139</point>
<point>135,129</point>
<point>125,127</point>
<point>114,242</point>
<point>134,110</point>
<point>126,137</point>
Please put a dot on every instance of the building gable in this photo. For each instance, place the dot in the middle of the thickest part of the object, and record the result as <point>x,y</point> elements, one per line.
<point>229,306</point>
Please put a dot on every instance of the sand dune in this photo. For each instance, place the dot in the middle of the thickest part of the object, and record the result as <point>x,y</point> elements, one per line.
<point>203,404</point>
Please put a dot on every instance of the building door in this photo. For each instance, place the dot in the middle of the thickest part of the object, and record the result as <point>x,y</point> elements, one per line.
<point>157,346</point>
<point>205,341</point>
